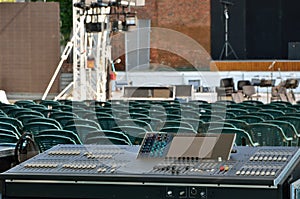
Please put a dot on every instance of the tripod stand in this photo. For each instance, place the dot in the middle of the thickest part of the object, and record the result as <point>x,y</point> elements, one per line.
<point>227,49</point>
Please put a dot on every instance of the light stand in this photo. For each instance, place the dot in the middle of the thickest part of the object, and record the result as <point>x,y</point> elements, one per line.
<point>227,48</point>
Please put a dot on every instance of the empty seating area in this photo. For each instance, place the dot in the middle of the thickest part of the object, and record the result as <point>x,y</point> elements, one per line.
<point>126,122</point>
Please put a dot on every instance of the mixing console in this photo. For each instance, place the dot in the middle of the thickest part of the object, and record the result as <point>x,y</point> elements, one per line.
<point>148,171</point>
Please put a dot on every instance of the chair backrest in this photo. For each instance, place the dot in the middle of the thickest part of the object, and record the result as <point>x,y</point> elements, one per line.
<point>242,83</point>
<point>25,112</point>
<point>135,122</point>
<point>267,134</point>
<point>36,127</point>
<point>105,140</point>
<point>205,127</point>
<point>242,137</point>
<point>62,114</point>
<point>173,123</point>
<point>8,126</point>
<point>8,138</point>
<point>107,123</point>
<point>109,133</point>
<point>46,142</point>
<point>274,113</point>
<point>79,121</point>
<point>178,130</point>
<point>66,133</point>
<point>155,123</point>
<point>227,82</point>
<point>252,102</point>
<point>195,123</point>
<point>288,129</point>
<point>223,114</point>
<point>135,134</point>
<point>293,120</point>
<point>63,120</point>
<point>237,111</point>
<point>15,122</point>
<point>46,120</point>
<point>81,130</point>
<point>209,118</point>
<point>249,118</point>
<point>240,124</point>
<point>263,115</point>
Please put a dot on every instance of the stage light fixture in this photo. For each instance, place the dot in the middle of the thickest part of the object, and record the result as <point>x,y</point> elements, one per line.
<point>80,4</point>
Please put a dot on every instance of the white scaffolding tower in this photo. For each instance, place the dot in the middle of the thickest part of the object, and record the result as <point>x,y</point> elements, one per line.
<point>91,55</point>
<point>91,49</point>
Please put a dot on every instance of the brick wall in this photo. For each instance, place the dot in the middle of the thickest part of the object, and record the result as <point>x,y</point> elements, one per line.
<point>189,17</point>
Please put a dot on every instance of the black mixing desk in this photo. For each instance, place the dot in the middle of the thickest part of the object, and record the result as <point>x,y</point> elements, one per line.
<point>6,157</point>
<point>154,170</point>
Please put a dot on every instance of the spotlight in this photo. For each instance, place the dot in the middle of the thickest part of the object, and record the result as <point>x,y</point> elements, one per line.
<point>80,5</point>
<point>130,20</point>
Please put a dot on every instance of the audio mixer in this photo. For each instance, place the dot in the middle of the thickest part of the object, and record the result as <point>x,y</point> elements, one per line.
<point>165,166</point>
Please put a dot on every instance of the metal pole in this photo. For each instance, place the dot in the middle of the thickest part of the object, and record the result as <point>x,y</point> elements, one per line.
<point>226,30</point>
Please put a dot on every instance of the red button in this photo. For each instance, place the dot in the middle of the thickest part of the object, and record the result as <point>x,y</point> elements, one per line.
<point>222,168</point>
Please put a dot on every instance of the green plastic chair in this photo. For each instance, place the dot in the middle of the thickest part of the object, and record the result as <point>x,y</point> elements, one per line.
<point>79,121</point>
<point>135,134</point>
<point>224,115</point>
<point>8,126</point>
<point>195,123</point>
<point>297,114</point>
<point>178,130</point>
<point>81,130</point>
<point>274,113</point>
<point>251,109</point>
<point>239,124</point>
<point>107,123</point>
<point>56,115</point>
<point>293,120</point>
<point>134,122</point>
<point>209,118</point>
<point>25,118</point>
<point>237,111</point>
<point>25,112</point>
<point>286,104</point>
<point>252,102</point>
<point>174,123</point>
<point>36,127</point>
<point>13,121</point>
<point>139,110</point>
<point>190,114</point>
<point>263,115</point>
<point>66,133</point>
<point>205,127</point>
<point>7,138</point>
<point>105,140</point>
<point>3,114</point>
<point>249,118</point>
<point>21,103</point>
<point>155,123</point>
<point>46,142</point>
<point>45,120</point>
<point>242,137</point>
<point>49,103</point>
<point>63,120</point>
<point>287,110</point>
<point>269,106</point>
<point>9,132</point>
<point>109,133</point>
<point>288,129</point>
<point>268,134</point>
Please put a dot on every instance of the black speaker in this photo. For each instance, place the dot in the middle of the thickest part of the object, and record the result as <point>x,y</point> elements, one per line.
<point>294,50</point>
